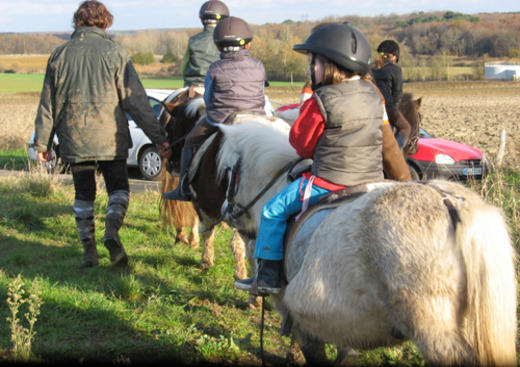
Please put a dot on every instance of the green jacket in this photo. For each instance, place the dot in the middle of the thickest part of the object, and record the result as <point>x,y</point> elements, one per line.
<point>90,84</point>
<point>199,55</point>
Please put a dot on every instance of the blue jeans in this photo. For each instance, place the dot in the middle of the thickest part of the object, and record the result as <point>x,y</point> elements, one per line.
<point>275,214</point>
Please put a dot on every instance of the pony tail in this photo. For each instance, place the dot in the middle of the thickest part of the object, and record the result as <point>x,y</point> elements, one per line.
<point>491,289</point>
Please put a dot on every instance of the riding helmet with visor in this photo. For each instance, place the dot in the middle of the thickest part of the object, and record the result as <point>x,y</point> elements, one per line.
<point>340,43</point>
<point>232,32</point>
<point>213,11</point>
<point>389,47</point>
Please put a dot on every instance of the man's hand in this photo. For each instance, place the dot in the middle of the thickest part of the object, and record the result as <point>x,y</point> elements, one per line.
<point>164,150</point>
<point>45,156</point>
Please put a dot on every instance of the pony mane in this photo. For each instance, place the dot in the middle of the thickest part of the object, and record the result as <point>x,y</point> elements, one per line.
<point>262,142</point>
<point>196,105</point>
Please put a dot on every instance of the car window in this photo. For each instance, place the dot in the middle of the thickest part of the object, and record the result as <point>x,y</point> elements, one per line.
<point>156,107</point>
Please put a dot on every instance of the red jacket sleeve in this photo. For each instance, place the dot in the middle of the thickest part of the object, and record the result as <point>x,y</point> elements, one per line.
<point>307,129</point>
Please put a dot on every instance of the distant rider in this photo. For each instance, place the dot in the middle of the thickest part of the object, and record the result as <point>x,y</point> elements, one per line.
<point>202,51</point>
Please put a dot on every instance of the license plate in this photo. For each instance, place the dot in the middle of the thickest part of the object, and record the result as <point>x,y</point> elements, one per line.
<point>472,171</point>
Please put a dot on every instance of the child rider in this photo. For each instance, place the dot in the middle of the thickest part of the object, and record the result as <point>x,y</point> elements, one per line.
<point>340,128</point>
<point>233,83</point>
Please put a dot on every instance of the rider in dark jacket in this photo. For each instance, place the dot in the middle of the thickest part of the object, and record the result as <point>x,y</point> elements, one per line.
<point>389,79</point>
<point>201,51</point>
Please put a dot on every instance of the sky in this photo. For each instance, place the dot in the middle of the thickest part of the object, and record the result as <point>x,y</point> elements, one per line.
<point>56,16</point>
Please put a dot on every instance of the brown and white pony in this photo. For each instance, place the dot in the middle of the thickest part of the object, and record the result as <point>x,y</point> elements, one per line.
<point>207,203</point>
<point>427,262</point>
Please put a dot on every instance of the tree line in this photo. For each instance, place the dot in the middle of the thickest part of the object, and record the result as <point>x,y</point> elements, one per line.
<point>420,35</point>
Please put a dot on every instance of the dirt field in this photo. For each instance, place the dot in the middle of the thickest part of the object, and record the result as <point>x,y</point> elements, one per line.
<point>472,113</point>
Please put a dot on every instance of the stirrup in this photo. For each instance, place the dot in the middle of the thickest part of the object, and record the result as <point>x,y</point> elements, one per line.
<point>245,284</point>
<point>176,195</point>
<point>180,193</point>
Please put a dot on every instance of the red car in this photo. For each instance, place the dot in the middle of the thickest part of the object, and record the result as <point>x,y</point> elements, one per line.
<point>438,158</point>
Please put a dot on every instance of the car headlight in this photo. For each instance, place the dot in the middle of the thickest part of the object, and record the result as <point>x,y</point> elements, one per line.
<point>444,159</point>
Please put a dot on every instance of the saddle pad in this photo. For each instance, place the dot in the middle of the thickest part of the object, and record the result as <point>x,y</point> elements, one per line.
<point>300,232</point>
<point>298,241</point>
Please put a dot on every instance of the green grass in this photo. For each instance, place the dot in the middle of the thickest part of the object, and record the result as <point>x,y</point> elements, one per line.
<point>13,159</point>
<point>15,83</point>
<point>163,307</point>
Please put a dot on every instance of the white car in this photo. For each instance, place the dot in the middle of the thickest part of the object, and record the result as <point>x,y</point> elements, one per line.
<point>143,153</point>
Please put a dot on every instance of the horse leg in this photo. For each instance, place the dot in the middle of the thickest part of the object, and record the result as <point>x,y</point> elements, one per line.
<point>182,236</point>
<point>194,239</point>
<point>208,252</point>
<point>441,346</point>
<point>255,302</point>
<point>295,355</point>
<point>346,357</point>
<point>238,250</point>
<point>312,348</point>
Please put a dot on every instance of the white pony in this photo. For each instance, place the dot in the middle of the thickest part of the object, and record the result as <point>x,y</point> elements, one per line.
<point>427,262</point>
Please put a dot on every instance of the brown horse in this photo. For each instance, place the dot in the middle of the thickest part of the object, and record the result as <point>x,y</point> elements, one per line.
<point>410,108</point>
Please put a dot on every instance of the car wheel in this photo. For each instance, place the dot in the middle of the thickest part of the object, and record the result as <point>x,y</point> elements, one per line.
<point>414,173</point>
<point>150,163</point>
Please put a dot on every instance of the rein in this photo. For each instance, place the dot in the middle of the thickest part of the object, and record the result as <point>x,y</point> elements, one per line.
<point>174,143</point>
<point>233,189</point>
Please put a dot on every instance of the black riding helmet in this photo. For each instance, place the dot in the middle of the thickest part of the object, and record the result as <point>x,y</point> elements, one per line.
<point>341,43</point>
<point>233,32</point>
<point>213,10</point>
<point>389,47</point>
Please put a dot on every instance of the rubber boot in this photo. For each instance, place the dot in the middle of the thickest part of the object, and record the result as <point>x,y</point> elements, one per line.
<point>182,192</point>
<point>267,280</point>
<point>84,215</point>
<point>116,211</point>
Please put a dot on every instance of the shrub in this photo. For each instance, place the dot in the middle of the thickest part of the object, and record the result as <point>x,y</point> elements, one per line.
<point>169,57</point>
<point>143,58</point>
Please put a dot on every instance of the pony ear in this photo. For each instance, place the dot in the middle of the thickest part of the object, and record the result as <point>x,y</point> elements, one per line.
<point>418,102</point>
<point>169,107</point>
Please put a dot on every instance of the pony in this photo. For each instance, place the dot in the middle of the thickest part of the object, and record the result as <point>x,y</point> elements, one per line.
<point>410,108</point>
<point>427,262</point>
<point>175,107</point>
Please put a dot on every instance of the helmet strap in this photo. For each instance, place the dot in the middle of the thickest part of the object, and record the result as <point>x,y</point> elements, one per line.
<point>314,86</point>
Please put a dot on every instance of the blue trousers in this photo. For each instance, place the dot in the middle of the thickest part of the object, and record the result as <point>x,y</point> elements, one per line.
<point>275,214</point>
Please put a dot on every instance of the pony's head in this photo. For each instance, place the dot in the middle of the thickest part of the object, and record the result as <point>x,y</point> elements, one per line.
<point>180,113</point>
<point>410,108</point>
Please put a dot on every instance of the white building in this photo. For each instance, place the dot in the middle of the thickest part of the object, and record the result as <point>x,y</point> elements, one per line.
<point>501,71</point>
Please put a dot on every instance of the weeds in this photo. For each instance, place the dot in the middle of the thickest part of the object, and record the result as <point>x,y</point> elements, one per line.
<point>22,336</point>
